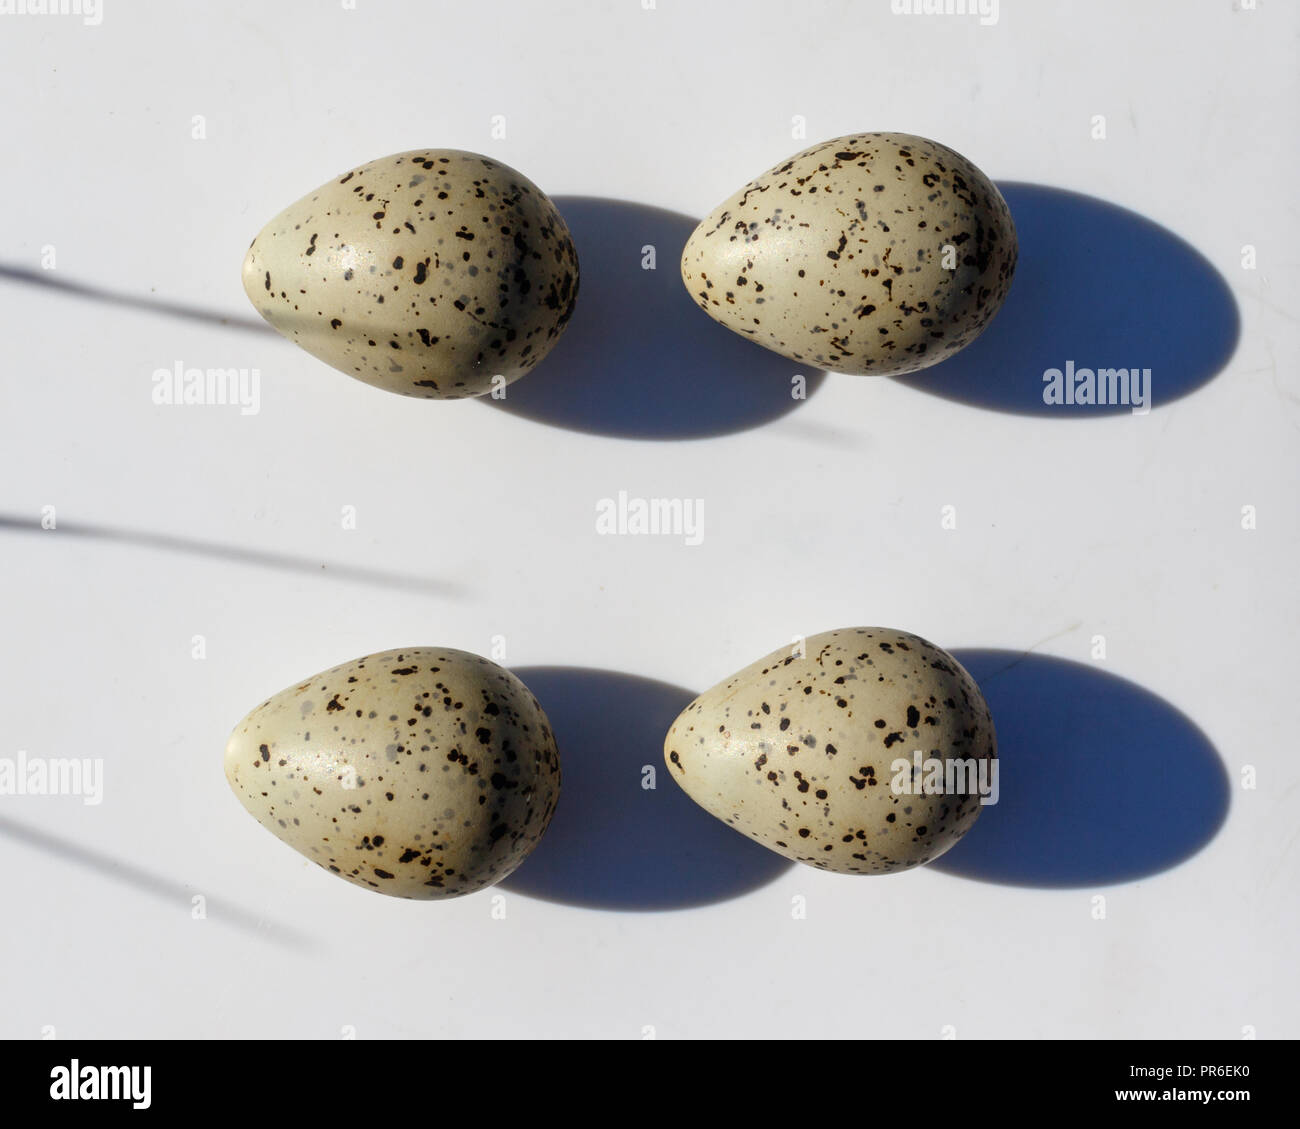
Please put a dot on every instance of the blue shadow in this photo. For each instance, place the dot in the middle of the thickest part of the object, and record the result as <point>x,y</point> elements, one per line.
<point>640,359</point>
<point>1101,781</point>
<point>612,843</point>
<point>1100,286</point>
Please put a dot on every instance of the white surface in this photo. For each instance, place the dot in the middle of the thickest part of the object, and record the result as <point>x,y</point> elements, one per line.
<point>1129,527</point>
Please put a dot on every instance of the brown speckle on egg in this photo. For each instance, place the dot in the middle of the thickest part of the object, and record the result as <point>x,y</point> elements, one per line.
<point>467,271</point>
<point>851,784</point>
<point>355,796</point>
<point>878,253</point>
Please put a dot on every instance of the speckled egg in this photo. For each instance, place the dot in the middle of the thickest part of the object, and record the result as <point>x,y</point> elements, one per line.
<point>877,253</point>
<point>864,751</point>
<point>422,773</point>
<point>427,273</point>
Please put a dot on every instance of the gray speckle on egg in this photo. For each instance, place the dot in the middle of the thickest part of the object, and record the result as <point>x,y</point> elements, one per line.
<point>424,773</point>
<point>798,751</point>
<point>877,253</point>
<point>426,273</point>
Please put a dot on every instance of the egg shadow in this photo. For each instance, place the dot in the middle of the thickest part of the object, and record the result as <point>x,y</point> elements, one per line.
<point>235,554</point>
<point>1100,780</point>
<point>640,359</point>
<point>13,272</point>
<point>1103,287</point>
<point>135,879</point>
<point>613,842</point>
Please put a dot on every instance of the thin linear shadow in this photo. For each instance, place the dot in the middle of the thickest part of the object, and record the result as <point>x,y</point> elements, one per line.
<point>195,547</point>
<point>135,301</point>
<point>1100,286</point>
<point>613,843</point>
<point>1101,781</point>
<point>640,360</point>
<point>147,882</point>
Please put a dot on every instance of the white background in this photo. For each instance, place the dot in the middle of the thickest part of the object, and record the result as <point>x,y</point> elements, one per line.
<point>1111,524</point>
